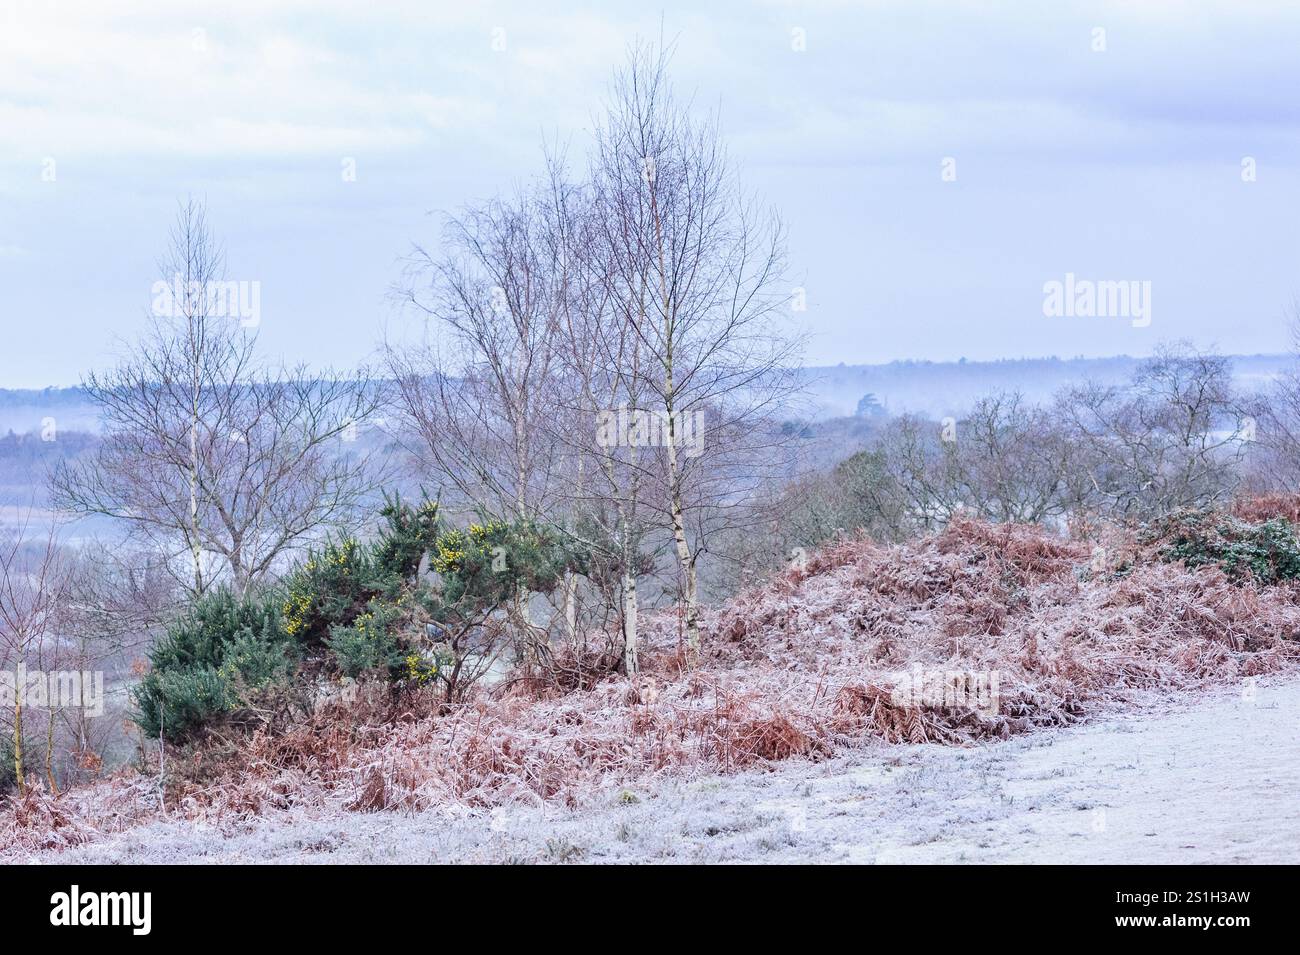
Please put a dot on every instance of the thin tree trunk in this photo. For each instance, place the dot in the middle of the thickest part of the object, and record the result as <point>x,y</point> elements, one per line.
<point>18,748</point>
<point>630,662</point>
<point>684,556</point>
<point>238,575</point>
<point>532,642</point>
<point>162,763</point>
<point>196,554</point>
<point>49,754</point>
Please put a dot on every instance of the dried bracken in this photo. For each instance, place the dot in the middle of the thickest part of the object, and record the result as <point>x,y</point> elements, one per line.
<point>808,662</point>
<point>1266,507</point>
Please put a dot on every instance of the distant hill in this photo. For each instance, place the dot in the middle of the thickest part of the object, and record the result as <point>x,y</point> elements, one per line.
<point>22,410</point>
<point>942,388</point>
<point>928,387</point>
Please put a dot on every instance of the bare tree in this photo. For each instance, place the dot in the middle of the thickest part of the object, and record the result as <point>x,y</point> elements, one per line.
<point>476,392</point>
<point>1272,425</point>
<point>118,600</point>
<point>33,581</point>
<point>1170,439</point>
<point>920,458</point>
<point>236,462</point>
<point>698,270</point>
<point>602,360</point>
<point>1015,461</point>
<point>609,356</point>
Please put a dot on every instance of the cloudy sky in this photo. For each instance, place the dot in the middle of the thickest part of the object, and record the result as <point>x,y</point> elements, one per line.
<point>936,163</point>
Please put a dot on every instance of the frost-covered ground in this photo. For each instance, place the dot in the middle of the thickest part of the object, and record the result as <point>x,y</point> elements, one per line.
<point>1211,780</point>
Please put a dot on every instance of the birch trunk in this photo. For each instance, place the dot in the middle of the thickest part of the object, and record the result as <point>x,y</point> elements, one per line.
<point>630,663</point>
<point>18,748</point>
<point>685,559</point>
<point>196,554</point>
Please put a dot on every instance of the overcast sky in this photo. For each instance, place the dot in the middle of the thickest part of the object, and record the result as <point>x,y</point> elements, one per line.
<point>1114,155</point>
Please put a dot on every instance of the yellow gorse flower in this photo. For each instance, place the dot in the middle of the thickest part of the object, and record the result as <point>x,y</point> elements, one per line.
<point>296,609</point>
<point>419,669</point>
<point>481,531</point>
<point>451,551</point>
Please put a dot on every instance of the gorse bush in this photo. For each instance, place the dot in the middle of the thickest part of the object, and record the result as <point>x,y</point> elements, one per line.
<point>218,657</point>
<point>1265,551</point>
<point>370,606</point>
<point>8,771</point>
<point>332,587</point>
<point>488,561</point>
<point>370,642</point>
<point>412,607</point>
<point>408,534</point>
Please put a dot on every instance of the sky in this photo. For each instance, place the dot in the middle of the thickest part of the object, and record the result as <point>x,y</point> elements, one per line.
<point>937,164</point>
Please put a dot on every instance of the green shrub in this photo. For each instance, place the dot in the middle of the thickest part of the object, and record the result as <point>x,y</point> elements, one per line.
<point>329,589</point>
<point>1267,551</point>
<point>370,642</point>
<point>351,609</point>
<point>407,535</point>
<point>339,583</point>
<point>176,703</point>
<point>480,570</point>
<point>8,772</point>
<point>487,563</point>
<point>224,649</point>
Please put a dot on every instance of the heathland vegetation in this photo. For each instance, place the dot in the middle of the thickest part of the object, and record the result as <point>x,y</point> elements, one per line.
<point>581,534</point>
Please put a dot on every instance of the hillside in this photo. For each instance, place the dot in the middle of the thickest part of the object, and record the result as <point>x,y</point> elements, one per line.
<point>977,634</point>
<point>1179,784</point>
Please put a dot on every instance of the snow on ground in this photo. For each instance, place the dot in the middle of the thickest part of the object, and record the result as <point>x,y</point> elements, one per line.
<point>1209,780</point>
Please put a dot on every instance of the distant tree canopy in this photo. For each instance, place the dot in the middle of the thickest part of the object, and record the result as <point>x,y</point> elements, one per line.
<point>870,406</point>
<point>1174,435</point>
